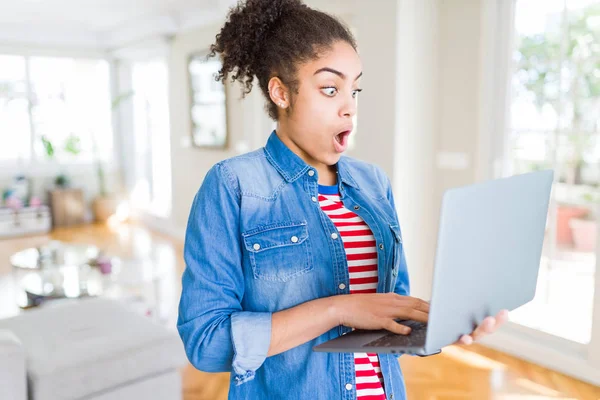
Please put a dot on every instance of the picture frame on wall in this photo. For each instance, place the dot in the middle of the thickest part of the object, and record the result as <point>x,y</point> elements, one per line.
<point>208,102</point>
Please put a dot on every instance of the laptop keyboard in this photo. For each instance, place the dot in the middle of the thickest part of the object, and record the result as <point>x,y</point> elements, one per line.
<point>415,339</point>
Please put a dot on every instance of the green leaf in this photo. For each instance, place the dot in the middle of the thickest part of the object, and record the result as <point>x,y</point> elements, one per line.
<point>121,98</point>
<point>73,144</point>
<point>48,147</point>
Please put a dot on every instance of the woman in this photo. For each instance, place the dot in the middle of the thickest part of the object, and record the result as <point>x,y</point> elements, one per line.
<point>293,244</point>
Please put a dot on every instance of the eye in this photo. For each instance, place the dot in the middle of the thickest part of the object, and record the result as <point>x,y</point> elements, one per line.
<point>356,92</point>
<point>329,91</point>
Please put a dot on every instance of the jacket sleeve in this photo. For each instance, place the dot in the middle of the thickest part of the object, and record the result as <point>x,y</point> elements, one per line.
<point>218,335</point>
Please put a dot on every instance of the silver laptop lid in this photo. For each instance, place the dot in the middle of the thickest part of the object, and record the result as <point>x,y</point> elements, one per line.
<point>488,252</point>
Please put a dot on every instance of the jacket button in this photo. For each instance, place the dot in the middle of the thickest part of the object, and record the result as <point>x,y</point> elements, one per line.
<point>294,239</point>
<point>348,386</point>
<point>311,173</point>
<point>256,246</point>
<point>357,207</point>
<point>342,286</point>
<point>334,235</point>
<point>314,199</point>
<point>381,246</point>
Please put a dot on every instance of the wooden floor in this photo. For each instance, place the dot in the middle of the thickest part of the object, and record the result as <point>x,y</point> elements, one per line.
<point>473,372</point>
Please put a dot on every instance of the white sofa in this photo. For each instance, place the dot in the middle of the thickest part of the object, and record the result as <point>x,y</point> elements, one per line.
<point>93,349</point>
<point>13,377</point>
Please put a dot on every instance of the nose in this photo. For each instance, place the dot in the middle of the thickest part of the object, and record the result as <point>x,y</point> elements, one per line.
<point>348,109</point>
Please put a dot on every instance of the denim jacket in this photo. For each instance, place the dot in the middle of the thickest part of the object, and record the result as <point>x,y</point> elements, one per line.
<point>257,242</point>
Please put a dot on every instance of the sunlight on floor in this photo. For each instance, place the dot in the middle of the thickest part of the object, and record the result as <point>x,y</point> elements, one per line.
<point>471,359</point>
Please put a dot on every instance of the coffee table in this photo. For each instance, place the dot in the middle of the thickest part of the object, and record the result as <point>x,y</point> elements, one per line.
<point>61,271</point>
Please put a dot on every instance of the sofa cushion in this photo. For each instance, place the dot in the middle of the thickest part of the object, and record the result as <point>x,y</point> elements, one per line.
<point>166,386</point>
<point>84,347</point>
<point>13,382</point>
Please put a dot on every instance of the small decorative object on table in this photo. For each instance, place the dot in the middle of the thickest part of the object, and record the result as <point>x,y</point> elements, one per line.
<point>63,271</point>
<point>104,264</point>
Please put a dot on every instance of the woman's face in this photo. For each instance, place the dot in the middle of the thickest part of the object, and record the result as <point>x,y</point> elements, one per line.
<point>318,124</point>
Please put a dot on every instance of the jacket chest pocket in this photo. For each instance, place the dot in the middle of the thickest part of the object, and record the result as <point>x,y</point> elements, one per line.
<point>279,252</point>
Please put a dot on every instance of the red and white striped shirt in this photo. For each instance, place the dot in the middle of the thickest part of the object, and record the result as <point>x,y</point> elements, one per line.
<point>361,253</point>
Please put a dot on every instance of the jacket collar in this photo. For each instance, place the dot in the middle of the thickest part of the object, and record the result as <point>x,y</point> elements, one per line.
<point>291,166</point>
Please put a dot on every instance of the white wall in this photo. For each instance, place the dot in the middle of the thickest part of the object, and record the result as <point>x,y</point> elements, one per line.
<point>460,55</point>
<point>248,124</point>
<point>421,63</point>
<point>397,117</point>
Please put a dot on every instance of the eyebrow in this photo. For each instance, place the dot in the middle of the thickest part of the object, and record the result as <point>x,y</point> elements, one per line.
<point>338,73</point>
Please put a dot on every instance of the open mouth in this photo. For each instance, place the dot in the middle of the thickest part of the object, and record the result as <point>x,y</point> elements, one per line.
<point>341,141</point>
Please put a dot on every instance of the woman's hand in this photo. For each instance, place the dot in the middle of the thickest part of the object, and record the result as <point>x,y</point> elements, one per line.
<point>379,310</point>
<point>487,326</point>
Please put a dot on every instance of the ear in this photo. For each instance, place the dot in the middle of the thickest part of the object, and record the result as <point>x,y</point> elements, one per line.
<point>279,93</point>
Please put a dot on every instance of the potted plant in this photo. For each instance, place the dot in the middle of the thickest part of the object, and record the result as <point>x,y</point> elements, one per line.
<point>585,228</point>
<point>564,214</point>
<point>105,203</point>
<point>72,146</point>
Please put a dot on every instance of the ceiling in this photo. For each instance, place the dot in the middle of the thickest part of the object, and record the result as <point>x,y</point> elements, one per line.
<point>101,24</point>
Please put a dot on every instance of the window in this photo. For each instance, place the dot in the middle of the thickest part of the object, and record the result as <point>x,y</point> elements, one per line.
<point>208,108</point>
<point>65,100</point>
<point>152,156</point>
<point>555,123</point>
<point>15,129</point>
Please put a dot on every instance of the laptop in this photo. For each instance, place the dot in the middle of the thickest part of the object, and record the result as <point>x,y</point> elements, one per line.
<point>488,254</point>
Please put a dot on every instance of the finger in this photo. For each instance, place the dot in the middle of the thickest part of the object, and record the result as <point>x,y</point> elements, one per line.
<point>393,326</point>
<point>487,326</point>
<point>501,318</point>
<point>412,302</point>
<point>414,315</point>
<point>490,325</point>
<point>421,305</point>
<point>466,340</point>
